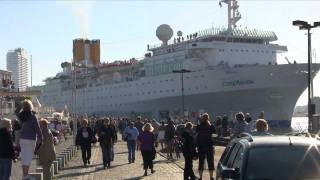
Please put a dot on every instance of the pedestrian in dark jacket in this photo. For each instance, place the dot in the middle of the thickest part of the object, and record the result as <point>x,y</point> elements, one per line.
<point>112,124</point>
<point>205,144</point>
<point>188,150</point>
<point>107,138</point>
<point>169,137</point>
<point>6,150</point>
<point>84,139</point>
<point>225,126</point>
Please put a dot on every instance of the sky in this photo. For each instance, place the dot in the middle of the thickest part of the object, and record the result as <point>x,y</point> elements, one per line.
<point>46,28</point>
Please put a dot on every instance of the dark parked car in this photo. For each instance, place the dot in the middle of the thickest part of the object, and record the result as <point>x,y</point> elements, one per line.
<point>270,158</point>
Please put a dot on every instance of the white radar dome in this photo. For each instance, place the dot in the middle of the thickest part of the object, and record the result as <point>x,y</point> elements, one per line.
<point>164,33</point>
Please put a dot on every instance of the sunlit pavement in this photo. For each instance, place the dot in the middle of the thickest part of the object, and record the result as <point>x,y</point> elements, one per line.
<point>120,168</point>
<point>218,152</point>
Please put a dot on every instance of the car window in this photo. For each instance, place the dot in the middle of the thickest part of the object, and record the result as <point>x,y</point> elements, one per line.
<point>238,158</point>
<point>233,155</point>
<point>287,162</point>
<point>226,153</point>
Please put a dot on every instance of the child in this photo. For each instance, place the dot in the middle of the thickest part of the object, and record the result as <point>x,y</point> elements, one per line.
<point>7,153</point>
<point>177,146</point>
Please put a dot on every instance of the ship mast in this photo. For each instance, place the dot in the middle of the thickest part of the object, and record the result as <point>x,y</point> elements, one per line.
<point>233,13</point>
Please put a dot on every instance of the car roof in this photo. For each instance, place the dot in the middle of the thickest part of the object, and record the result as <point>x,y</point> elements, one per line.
<point>262,141</point>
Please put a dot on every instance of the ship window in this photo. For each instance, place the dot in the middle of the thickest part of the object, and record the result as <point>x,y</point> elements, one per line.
<point>149,92</point>
<point>206,87</point>
<point>160,91</point>
<point>172,90</point>
<point>202,75</point>
<point>160,81</point>
<point>171,79</point>
<point>167,90</point>
<point>167,80</point>
<point>237,50</point>
<point>257,50</point>
<point>262,51</point>
<point>148,82</point>
<point>242,50</point>
<point>188,77</point>
<point>247,50</point>
<point>195,76</point>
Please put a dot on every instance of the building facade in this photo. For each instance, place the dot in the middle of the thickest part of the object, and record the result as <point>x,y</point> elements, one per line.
<point>17,63</point>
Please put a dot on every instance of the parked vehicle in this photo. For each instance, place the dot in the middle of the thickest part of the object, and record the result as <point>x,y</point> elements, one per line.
<point>272,157</point>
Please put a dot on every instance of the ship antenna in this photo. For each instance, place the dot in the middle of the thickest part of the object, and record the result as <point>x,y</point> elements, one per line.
<point>233,13</point>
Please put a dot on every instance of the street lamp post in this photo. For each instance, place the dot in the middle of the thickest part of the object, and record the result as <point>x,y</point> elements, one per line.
<point>182,71</point>
<point>303,25</point>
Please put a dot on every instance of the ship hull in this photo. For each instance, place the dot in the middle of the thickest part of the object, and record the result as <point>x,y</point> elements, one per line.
<point>273,89</point>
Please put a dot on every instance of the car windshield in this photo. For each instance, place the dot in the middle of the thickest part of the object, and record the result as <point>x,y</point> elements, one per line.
<point>288,162</point>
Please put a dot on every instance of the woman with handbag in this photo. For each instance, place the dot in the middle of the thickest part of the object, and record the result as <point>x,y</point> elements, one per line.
<point>146,141</point>
<point>205,144</point>
<point>189,151</point>
<point>84,139</point>
<point>30,136</point>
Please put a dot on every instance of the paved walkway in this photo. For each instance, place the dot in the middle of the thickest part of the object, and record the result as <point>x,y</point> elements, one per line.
<point>120,169</point>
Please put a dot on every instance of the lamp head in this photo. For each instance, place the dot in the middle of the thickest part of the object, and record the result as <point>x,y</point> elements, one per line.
<point>299,23</point>
<point>315,24</point>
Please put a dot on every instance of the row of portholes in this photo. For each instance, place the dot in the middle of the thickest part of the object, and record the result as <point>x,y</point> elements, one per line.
<point>242,50</point>
<point>138,94</point>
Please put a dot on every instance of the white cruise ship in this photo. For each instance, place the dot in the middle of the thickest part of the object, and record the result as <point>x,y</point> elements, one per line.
<point>229,70</point>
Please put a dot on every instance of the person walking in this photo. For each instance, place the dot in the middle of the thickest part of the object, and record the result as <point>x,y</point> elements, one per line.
<point>30,136</point>
<point>241,126</point>
<point>262,128</point>
<point>131,134</point>
<point>46,152</point>
<point>225,126</point>
<point>112,124</point>
<point>205,144</point>
<point>107,137</point>
<point>218,125</point>
<point>6,150</point>
<point>160,137</point>
<point>146,141</point>
<point>84,138</point>
<point>169,137</point>
<point>188,150</point>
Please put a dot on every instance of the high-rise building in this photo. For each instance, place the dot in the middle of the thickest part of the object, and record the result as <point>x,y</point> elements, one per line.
<point>17,63</point>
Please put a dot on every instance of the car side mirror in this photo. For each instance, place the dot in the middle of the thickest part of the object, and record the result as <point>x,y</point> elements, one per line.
<point>229,173</point>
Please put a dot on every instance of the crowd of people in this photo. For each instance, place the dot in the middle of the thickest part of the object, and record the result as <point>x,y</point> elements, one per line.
<point>29,136</point>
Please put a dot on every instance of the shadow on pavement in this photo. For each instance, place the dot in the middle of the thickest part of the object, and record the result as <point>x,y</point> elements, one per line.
<point>80,166</point>
<point>78,173</point>
<point>134,178</point>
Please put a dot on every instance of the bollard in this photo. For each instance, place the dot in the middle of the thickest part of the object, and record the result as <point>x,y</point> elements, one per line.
<point>64,159</point>
<point>52,170</point>
<point>39,170</point>
<point>36,176</point>
<point>65,154</point>
<point>56,167</point>
<point>61,162</point>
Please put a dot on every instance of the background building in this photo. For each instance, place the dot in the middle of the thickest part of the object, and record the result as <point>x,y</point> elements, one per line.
<point>17,63</point>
